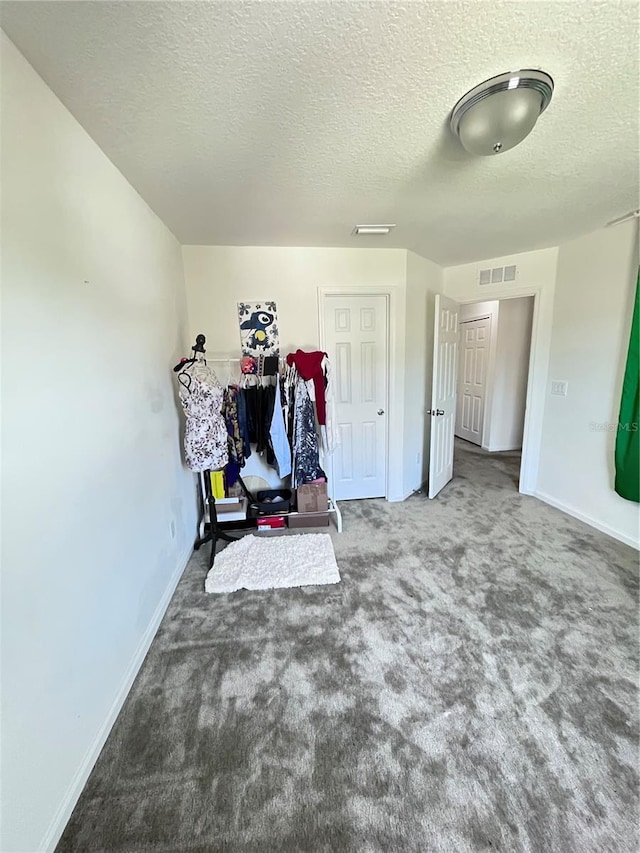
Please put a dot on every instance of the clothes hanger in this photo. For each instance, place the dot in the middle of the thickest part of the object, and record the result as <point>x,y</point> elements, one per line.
<point>230,381</point>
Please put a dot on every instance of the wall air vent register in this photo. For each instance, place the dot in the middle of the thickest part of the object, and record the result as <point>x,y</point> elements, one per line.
<point>498,275</point>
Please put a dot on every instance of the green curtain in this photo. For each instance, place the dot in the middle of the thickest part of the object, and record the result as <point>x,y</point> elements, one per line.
<point>628,437</point>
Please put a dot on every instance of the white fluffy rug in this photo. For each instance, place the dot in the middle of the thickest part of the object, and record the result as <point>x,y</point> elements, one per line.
<point>254,562</point>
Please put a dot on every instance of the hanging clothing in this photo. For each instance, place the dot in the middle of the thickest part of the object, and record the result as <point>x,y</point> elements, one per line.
<point>259,403</point>
<point>250,394</point>
<point>236,444</point>
<point>288,393</point>
<point>268,365</point>
<point>279,437</point>
<point>627,456</point>
<point>231,474</point>
<point>230,411</point>
<point>243,422</point>
<point>306,462</point>
<point>205,437</point>
<point>309,365</point>
<point>329,433</point>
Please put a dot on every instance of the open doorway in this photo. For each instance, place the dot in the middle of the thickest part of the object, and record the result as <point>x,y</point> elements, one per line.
<point>493,372</point>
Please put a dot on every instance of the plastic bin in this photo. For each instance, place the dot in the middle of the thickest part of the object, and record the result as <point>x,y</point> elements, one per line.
<point>272,502</point>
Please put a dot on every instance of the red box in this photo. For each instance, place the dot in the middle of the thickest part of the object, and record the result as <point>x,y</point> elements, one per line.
<point>272,522</point>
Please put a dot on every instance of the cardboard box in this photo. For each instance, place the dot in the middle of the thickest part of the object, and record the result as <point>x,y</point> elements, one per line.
<point>230,509</point>
<point>229,505</point>
<point>309,519</point>
<point>313,497</point>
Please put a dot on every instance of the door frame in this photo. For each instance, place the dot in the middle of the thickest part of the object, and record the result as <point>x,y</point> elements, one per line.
<point>534,405</point>
<point>393,405</point>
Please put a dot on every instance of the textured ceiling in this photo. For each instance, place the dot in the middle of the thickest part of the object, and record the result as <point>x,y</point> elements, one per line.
<point>286,123</point>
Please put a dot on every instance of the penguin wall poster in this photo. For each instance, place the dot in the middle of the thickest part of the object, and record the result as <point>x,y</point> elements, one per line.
<point>259,328</point>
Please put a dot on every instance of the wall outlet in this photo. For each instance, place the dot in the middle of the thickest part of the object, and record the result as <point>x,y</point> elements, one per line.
<point>418,458</point>
<point>558,388</point>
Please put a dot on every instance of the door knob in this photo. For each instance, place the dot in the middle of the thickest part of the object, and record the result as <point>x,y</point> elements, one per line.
<point>381,411</point>
<point>439,411</point>
<point>435,412</point>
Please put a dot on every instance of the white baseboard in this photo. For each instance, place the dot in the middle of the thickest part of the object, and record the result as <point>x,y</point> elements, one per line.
<point>592,522</point>
<point>61,817</point>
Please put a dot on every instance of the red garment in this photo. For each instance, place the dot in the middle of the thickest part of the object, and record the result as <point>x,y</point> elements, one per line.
<point>309,366</point>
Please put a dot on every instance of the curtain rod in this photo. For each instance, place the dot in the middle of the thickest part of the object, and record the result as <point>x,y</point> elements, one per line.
<point>633,214</point>
<point>235,358</point>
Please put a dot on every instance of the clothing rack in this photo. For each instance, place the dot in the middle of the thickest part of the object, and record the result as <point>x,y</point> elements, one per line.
<point>209,529</point>
<point>244,376</point>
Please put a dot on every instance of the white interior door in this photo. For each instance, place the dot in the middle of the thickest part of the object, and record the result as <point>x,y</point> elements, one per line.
<point>356,341</point>
<point>472,378</point>
<point>443,393</point>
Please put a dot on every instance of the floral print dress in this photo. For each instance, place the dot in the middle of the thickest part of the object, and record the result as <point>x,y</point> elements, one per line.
<point>230,412</point>
<point>205,437</point>
<point>306,457</point>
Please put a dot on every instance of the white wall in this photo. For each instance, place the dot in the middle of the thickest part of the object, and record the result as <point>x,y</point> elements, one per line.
<point>92,299</point>
<point>509,383</point>
<point>536,274</point>
<point>591,323</point>
<point>424,280</point>
<point>218,277</point>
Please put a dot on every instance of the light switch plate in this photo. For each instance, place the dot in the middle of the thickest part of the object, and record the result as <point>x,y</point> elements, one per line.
<point>558,388</point>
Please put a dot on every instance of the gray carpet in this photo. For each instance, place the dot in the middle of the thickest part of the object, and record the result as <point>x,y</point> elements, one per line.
<point>471,685</point>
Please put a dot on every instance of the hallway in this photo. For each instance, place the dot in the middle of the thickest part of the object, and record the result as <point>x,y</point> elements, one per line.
<point>468,686</point>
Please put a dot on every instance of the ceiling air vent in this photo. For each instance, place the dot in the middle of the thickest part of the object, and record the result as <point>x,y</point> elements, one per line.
<point>497,275</point>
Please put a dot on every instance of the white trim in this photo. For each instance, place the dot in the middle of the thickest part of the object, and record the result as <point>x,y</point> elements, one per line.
<point>399,498</point>
<point>390,292</point>
<point>592,522</point>
<point>63,813</point>
<point>487,417</point>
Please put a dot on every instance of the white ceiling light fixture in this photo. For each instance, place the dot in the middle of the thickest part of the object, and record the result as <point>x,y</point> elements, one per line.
<point>372,230</point>
<point>499,113</point>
